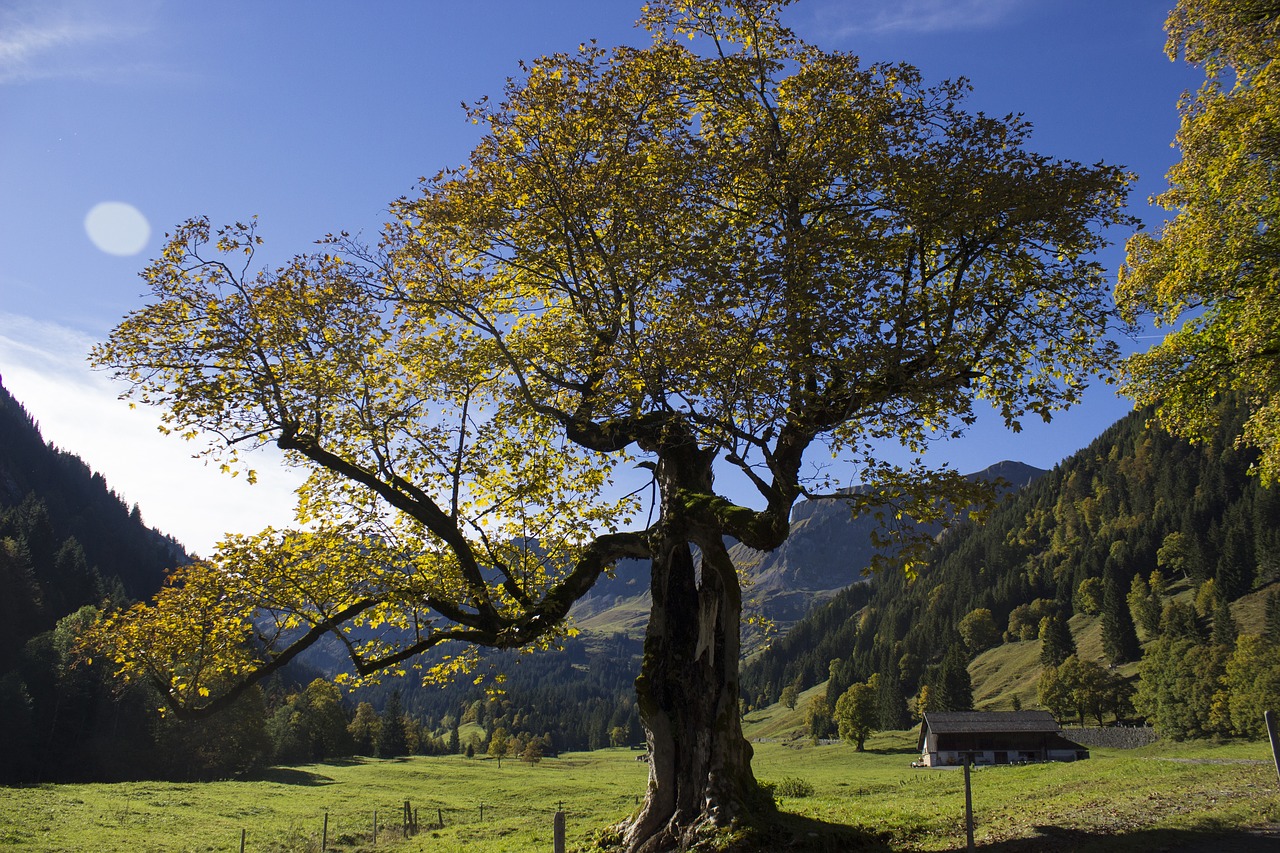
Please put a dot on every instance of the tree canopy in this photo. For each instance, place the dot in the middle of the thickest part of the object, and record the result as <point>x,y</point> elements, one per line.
<point>727,253</point>
<point>1211,270</point>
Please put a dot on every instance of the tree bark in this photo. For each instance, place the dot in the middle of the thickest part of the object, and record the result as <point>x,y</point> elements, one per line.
<point>700,764</point>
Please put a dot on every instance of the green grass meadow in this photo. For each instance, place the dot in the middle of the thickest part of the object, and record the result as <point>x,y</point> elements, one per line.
<point>1197,797</point>
<point>1175,797</point>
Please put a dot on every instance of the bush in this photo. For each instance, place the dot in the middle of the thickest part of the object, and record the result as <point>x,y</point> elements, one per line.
<point>793,787</point>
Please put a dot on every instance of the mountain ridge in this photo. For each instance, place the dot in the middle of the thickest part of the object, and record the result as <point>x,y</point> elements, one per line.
<point>827,551</point>
<point>81,505</point>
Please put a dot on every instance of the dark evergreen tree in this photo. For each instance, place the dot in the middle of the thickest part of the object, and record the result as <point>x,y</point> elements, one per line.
<point>455,740</point>
<point>21,603</point>
<point>891,702</point>
<point>1272,615</point>
<point>840,677</point>
<point>1224,627</point>
<point>1236,563</point>
<point>954,688</point>
<point>391,741</point>
<point>1119,637</point>
<point>1178,621</point>
<point>72,583</point>
<point>1144,607</point>
<point>18,754</point>
<point>1056,642</point>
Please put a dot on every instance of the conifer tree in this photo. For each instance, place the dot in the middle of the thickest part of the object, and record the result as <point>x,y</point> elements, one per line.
<point>392,740</point>
<point>1178,621</point>
<point>1272,616</point>
<point>455,740</point>
<point>891,702</point>
<point>1224,627</point>
<point>953,686</point>
<point>1119,639</point>
<point>1236,563</point>
<point>1056,642</point>
<point>1143,607</point>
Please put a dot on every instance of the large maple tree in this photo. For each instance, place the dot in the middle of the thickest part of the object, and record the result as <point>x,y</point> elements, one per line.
<point>728,250</point>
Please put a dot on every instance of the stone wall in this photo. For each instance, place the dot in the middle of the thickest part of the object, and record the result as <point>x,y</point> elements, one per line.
<point>1119,737</point>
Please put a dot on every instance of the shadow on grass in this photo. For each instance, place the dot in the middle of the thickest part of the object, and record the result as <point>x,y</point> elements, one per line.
<point>1052,838</point>
<point>788,832</point>
<point>292,776</point>
<point>348,761</point>
<point>908,756</point>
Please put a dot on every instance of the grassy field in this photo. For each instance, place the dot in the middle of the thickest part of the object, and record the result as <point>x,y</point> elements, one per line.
<point>1197,797</point>
<point>1183,797</point>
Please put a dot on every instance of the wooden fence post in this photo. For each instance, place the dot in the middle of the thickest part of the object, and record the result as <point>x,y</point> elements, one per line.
<point>243,832</point>
<point>1270,717</point>
<point>968,804</point>
<point>324,835</point>
<point>558,831</point>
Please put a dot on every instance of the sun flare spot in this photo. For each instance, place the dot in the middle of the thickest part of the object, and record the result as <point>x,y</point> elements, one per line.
<point>117,228</point>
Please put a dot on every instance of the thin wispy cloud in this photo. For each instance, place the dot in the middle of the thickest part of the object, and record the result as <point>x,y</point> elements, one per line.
<point>49,40</point>
<point>895,17</point>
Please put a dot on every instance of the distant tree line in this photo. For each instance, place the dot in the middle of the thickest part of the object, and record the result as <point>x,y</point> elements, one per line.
<point>578,697</point>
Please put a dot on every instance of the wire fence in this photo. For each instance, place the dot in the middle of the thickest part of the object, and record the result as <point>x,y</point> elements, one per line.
<point>335,830</point>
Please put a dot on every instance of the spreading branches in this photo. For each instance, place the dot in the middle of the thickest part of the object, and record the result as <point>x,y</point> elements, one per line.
<point>694,258</point>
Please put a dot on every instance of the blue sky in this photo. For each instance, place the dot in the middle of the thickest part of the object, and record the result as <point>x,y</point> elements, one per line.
<point>315,115</point>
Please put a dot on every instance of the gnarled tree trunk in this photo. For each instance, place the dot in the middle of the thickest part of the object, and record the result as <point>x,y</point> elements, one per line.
<point>700,763</point>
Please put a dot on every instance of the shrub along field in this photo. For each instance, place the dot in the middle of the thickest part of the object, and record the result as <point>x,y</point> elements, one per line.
<point>1196,796</point>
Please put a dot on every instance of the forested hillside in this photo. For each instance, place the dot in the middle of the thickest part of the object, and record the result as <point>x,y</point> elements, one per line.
<point>67,541</point>
<point>1136,500</point>
<point>79,504</point>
